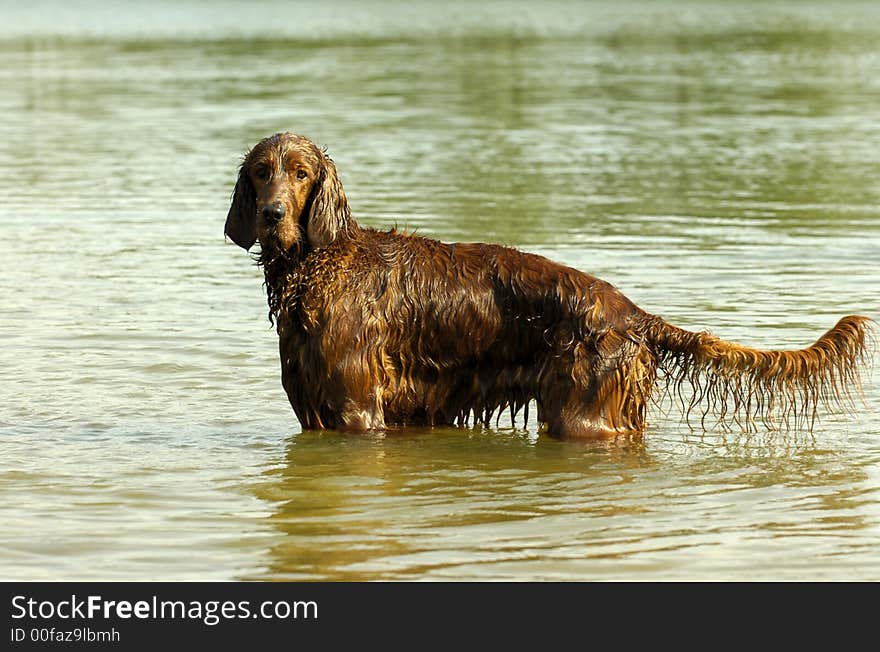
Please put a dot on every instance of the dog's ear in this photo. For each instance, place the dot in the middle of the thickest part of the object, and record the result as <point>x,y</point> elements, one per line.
<point>330,214</point>
<point>241,221</point>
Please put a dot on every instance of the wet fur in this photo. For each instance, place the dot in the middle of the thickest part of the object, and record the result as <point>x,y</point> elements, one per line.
<point>380,328</point>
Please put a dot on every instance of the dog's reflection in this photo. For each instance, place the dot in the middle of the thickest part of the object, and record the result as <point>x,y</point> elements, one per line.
<point>394,505</point>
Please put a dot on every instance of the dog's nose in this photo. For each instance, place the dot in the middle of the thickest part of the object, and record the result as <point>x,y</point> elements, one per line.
<point>273,212</point>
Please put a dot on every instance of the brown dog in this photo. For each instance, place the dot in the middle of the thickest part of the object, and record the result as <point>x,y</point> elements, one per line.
<point>379,328</point>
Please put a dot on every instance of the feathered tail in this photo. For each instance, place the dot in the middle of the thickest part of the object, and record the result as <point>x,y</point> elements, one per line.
<point>742,385</point>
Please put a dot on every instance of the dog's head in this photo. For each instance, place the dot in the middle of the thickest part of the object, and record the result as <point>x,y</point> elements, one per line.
<point>287,196</point>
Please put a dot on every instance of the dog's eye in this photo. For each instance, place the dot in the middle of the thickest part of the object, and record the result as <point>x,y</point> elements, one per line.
<point>301,174</point>
<point>262,173</point>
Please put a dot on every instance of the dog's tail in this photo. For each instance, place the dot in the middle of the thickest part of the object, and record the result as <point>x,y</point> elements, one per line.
<point>782,389</point>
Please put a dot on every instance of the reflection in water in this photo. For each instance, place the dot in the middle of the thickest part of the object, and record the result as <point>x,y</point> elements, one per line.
<point>407,503</point>
<point>476,504</point>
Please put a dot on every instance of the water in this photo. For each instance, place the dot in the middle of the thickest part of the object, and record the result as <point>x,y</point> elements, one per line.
<point>718,164</point>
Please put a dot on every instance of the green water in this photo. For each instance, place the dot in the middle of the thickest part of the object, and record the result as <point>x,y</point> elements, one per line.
<point>718,164</point>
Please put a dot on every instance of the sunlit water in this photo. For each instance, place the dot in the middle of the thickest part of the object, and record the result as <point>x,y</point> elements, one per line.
<point>720,165</point>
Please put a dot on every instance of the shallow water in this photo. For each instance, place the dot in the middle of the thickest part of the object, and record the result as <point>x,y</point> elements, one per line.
<point>719,165</point>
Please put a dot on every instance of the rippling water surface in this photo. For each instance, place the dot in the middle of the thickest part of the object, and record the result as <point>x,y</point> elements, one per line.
<point>719,165</point>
